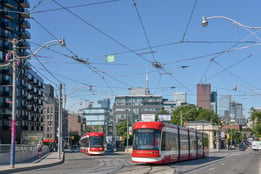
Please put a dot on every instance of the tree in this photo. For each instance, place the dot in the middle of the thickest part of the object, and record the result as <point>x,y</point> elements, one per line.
<point>189,113</point>
<point>193,113</point>
<point>121,130</point>
<point>235,135</point>
<point>208,115</point>
<point>256,119</point>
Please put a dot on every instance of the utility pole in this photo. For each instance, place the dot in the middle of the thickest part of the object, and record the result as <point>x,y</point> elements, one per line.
<point>60,122</point>
<point>13,130</point>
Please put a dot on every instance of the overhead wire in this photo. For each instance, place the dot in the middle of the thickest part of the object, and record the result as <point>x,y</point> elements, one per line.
<point>236,63</point>
<point>144,30</point>
<point>73,57</point>
<point>100,31</point>
<point>212,59</point>
<point>36,69</point>
<point>194,6</point>
<point>76,6</point>
<point>36,5</point>
<point>184,41</point>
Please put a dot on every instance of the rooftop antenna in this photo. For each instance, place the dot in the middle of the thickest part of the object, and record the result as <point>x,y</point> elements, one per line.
<point>147,83</point>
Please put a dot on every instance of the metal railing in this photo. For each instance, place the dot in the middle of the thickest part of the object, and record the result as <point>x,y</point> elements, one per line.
<point>5,148</point>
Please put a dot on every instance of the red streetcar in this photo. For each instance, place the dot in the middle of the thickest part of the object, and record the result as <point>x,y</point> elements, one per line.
<point>159,143</point>
<point>92,143</point>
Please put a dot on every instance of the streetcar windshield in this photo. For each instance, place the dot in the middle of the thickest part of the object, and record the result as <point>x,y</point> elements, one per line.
<point>96,141</point>
<point>146,139</point>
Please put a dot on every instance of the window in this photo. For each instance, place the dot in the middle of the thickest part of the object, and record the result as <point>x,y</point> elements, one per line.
<point>146,139</point>
<point>169,141</point>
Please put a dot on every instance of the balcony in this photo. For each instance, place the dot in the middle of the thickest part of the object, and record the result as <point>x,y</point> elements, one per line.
<point>8,25</point>
<point>25,35</point>
<point>5,94</point>
<point>5,105</point>
<point>25,14</point>
<point>6,82</point>
<point>26,25</point>
<point>9,4</point>
<point>6,36</point>
<point>24,3</point>
<point>8,15</point>
<point>30,107</point>
<point>25,45</point>
<point>7,71</point>
<point>6,46</point>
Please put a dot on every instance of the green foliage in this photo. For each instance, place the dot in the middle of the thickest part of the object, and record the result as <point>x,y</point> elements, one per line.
<point>235,135</point>
<point>256,118</point>
<point>121,130</point>
<point>192,113</point>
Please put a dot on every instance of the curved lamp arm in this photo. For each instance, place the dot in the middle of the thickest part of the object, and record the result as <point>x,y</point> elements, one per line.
<point>204,22</point>
<point>47,44</point>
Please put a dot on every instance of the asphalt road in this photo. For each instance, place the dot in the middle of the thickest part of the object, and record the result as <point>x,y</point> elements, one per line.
<point>248,162</point>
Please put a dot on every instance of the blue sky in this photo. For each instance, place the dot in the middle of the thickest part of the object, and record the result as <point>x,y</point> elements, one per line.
<point>165,31</point>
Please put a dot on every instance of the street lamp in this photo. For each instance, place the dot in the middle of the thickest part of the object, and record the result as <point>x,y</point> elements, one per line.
<point>204,22</point>
<point>14,64</point>
<point>181,115</point>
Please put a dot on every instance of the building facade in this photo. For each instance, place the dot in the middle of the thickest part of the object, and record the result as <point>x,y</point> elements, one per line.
<point>96,114</point>
<point>29,115</point>
<point>224,105</point>
<point>179,98</point>
<point>51,109</point>
<point>203,95</point>
<point>213,101</point>
<point>131,107</point>
<point>76,124</point>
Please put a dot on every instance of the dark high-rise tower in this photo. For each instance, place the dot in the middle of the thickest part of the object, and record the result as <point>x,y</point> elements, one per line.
<point>29,101</point>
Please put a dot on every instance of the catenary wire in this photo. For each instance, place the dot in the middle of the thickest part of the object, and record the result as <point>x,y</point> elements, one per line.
<point>76,6</point>
<point>187,26</point>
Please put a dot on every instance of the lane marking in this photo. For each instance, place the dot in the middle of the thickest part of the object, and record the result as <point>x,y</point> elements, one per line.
<point>211,168</point>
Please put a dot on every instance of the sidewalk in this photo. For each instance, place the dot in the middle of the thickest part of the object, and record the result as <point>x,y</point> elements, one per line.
<point>46,160</point>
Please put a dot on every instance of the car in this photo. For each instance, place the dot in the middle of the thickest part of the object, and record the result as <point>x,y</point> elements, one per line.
<point>243,146</point>
<point>73,149</point>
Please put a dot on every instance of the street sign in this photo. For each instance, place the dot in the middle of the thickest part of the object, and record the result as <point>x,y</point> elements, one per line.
<point>147,117</point>
<point>110,58</point>
<point>165,117</point>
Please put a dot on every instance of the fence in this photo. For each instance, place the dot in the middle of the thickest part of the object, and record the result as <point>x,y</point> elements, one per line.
<point>23,152</point>
<point>5,148</point>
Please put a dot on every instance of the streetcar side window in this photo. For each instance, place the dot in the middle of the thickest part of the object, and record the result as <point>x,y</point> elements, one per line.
<point>193,143</point>
<point>169,141</point>
<point>184,142</point>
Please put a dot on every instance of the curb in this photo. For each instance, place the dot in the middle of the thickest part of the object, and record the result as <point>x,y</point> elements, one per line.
<point>37,166</point>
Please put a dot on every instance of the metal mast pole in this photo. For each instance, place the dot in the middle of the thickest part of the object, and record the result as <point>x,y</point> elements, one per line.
<point>59,122</point>
<point>127,132</point>
<point>13,130</point>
